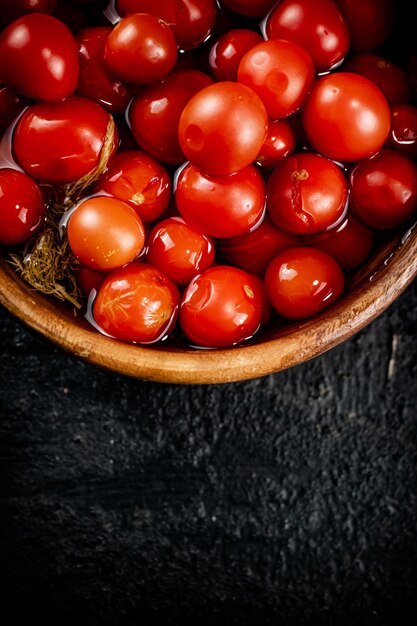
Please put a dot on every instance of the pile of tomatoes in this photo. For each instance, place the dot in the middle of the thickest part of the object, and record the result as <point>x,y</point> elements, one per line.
<point>241,157</point>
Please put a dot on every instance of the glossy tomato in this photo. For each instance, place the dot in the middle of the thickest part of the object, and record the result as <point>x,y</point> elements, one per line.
<point>280,142</point>
<point>22,206</point>
<point>179,250</point>
<point>223,127</point>
<point>383,189</point>
<point>39,57</point>
<point>95,81</point>
<point>137,303</point>
<point>302,281</point>
<point>11,104</point>
<point>403,131</point>
<point>221,206</point>
<point>61,142</point>
<point>389,77</point>
<point>318,27</point>
<point>191,21</point>
<point>254,251</point>
<point>370,22</point>
<point>105,233</point>
<point>155,112</point>
<point>227,52</point>
<point>140,50</point>
<point>307,194</point>
<point>346,117</point>
<point>139,180</point>
<point>349,244</point>
<point>221,307</point>
<point>280,72</point>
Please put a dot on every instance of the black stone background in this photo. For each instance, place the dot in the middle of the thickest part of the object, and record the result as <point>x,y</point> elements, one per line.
<point>288,499</point>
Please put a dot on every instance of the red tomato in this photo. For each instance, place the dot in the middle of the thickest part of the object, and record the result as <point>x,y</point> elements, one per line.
<point>191,21</point>
<point>221,307</point>
<point>221,206</point>
<point>389,77</point>
<point>226,54</point>
<point>280,72</point>
<point>307,194</point>
<point>302,281</point>
<point>39,57</point>
<point>280,142</point>
<point>10,106</point>
<point>403,131</point>
<point>12,9</point>
<point>253,252</point>
<point>88,279</point>
<point>179,250</point>
<point>370,22</point>
<point>252,8</point>
<point>383,189</point>
<point>61,142</point>
<point>317,26</point>
<point>141,49</point>
<point>105,233</point>
<point>350,244</point>
<point>138,180</point>
<point>155,113</point>
<point>95,81</point>
<point>222,128</point>
<point>137,303</point>
<point>22,206</point>
<point>346,117</point>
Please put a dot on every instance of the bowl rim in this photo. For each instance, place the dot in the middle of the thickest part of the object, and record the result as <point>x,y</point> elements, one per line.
<point>357,308</point>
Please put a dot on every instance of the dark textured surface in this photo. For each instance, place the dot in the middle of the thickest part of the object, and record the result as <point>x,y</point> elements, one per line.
<point>283,500</point>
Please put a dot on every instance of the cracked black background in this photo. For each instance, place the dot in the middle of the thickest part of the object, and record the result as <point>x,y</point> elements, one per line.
<point>287,499</point>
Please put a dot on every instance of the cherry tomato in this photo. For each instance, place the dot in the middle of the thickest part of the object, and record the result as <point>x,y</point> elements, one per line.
<point>383,189</point>
<point>179,250</point>
<point>226,54</point>
<point>95,81</point>
<point>307,194</point>
<point>223,127</point>
<point>155,112</point>
<point>280,142</point>
<point>317,26</point>
<point>254,251</point>
<point>251,8</point>
<point>191,21</point>
<point>389,77</point>
<point>22,206</point>
<point>280,72</point>
<point>221,307</point>
<point>12,9</point>
<point>88,279</point>
<point>137,303</point>
<point>61,142</point>
<point>349,244</point>
<point>140,181</point>
<point>221,206</point>
<point>141,49</point>
<point>39,57</point>
<point>346,117</point>
<point>370,22</point>
<point>10,106</point>
<point>105,233</point>
<point>302,281</point>
<point>403,131</point>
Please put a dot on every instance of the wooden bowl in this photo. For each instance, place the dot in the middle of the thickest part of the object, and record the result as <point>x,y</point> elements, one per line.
<point>370,291</point>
